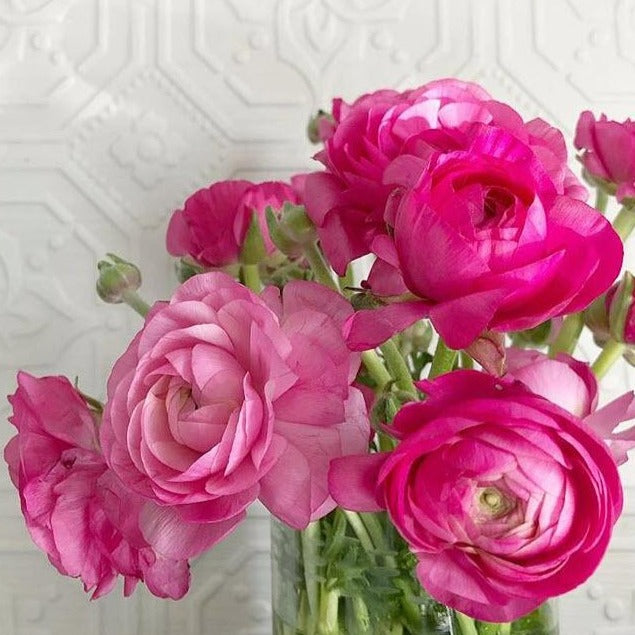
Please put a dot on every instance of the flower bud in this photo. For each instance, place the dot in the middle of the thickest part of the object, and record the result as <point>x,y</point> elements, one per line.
<point>290,229</point>
<point>116,278</point>
<point>416,338</point>
<point>611,315</point>
<point>253,250</point>
<point>186,268</point>
<point>320,127</point>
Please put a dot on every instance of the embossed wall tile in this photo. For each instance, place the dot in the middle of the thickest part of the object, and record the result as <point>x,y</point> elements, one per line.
<point>113,111</point>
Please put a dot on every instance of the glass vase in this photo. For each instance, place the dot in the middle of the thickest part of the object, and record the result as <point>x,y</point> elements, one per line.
<point>352,574</point>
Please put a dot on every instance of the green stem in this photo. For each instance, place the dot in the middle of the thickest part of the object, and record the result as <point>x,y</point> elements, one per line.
<point>310,539</point>
<point>505,629</point>
<point>347,279</point>
<point>398,367</point>
<point>624,222</point>
<point>611,352</point>
<point>568,335</point>
<point>601,199</point>
<point>319,266</point>
<point>251,277</point>
<point>329,602</point>
<point>466,360</point>
<point>136,302</point>
<point>376,369</point>
<point>467,625</point>
<point>358,527</point>
<point>443,360</point>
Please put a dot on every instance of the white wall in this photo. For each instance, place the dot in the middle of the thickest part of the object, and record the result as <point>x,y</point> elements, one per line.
<point>111,111</point>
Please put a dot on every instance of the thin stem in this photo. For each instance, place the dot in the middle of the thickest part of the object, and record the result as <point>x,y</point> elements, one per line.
<point>505,629</point>
<point>359,529</point>
<point>310,539</point>
<point>319,266</point>
<point>467,625</point>
<point>251,277</point>
<point>624,222</point>
<point>601,199</point>
<point>398,367</point>
<point>376,369</point>
<point>466,360</point>
<point>347,279</point>
<point>329,603</point>
<point>611,352</point>
<point>443,360</point>
<point>568,335</point>
<point>136,302</point>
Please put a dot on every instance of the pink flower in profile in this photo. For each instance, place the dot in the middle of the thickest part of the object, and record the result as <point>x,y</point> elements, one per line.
<point>572,385</point>
<point>505,498</point>
<point>225,397</point>
<point>213,223</point>
<point>608,151</point>
<point>75,509</point>
<point>348,201</point>
<point>563,380</point>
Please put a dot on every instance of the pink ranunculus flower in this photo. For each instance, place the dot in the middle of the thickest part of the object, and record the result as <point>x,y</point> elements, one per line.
<point>608,151</point>
<point>76,510</point>
<point>484,241</point>
<point>563,380</point>
<point>505,498</point>
<point>572,385</point>
<point>225,397</point>
<point>213,223</point>
<point>348,201</point>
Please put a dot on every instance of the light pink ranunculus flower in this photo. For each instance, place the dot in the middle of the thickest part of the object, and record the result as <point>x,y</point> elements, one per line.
<point>608,151</point>
<point>76,510</point>
<point>348,201</point>
<point>563,380</point>
<point>225,397</point>
<point>213,223</point>
<point>505,498</point>
<point>484,241</point>
<point>572,385</point>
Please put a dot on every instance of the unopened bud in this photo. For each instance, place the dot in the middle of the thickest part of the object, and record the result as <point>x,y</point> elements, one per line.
<point>253,250</point>
<point>290,229</point>
<point>612,315</point>
<point>321,127</point>
<point>116,278</point>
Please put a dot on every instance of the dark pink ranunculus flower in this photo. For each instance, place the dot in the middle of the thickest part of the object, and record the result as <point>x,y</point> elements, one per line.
<point>213,223</point>
<point>483,240</point>
<point>225,397</point>
<point>505,498</point>
<point>608,151</point>
<point>348,201</point>
<point>76,510</point>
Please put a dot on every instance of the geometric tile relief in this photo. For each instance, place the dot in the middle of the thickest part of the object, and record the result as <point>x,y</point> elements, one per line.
<point>111,111</point>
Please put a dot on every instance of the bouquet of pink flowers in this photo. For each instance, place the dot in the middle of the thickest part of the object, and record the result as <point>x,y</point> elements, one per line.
<point>431,469</point>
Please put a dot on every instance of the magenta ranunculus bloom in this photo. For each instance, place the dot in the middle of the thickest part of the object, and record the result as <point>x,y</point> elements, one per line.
<point>484,240</point>
<point>608,151</point>
<point>225,397</point>
<point>76,510</point>
<point>348,201</point>
<point>505,498</point>
<point>213,223</point>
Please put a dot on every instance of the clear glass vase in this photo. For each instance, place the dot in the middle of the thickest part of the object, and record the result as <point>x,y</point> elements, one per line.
<point>352,574</point>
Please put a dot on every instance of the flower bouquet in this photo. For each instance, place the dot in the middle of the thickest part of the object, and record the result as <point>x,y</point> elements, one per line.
<point>433,457</point>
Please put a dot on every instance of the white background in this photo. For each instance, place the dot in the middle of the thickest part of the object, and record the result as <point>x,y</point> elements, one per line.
<point>112,111</point>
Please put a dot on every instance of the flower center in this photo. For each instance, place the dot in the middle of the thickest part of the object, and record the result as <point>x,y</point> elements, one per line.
<point>493,503</point>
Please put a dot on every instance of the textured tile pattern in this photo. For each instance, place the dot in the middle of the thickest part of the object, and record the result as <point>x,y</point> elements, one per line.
<point>111,111</point>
